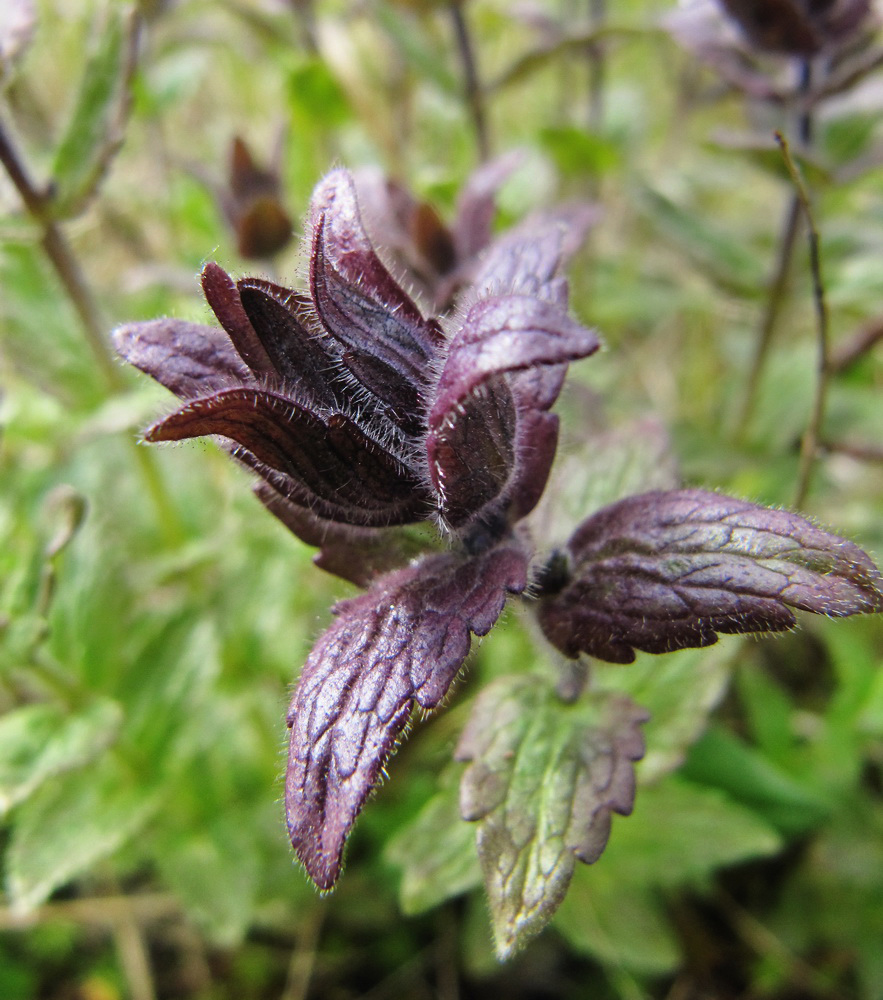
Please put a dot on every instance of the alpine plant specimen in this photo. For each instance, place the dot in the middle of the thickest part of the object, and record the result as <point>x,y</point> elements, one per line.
<point>361,415</point>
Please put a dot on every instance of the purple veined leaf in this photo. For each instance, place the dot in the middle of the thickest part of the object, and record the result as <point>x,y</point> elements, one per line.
<point>669,570</point>
<point>339,234</point>
<point>400,644</point>
<point>380,350</point>
<point>299,354</point>
<point>223,297</point>
<point>189,359</point>
<point>543,779</point>
<point>328,465</point>
<point>486,426</point>
<point>351,552</point>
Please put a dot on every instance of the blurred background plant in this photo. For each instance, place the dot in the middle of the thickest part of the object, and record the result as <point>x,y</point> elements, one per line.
<point>152,616</point>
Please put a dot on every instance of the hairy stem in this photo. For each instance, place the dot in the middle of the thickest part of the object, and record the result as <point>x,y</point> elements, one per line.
<point>61,256</point>
<point>810,443</point>
<point>474,96</point>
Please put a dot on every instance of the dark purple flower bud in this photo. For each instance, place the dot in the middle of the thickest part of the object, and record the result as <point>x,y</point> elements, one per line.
<point>668,570</point>
<point>797,27</point>
<point>253,205</point>
<point>402,643</point>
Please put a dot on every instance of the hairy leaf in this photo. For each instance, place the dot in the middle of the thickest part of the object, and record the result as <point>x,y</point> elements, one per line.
<point>187,358</point>
<point>544,778</point>
<point>343,260</point>
<point>354,553</point>
<point>667,570</point>
<point>329,465</point>
<point>222,294</point>
<point>298,354</point>
<point>401,643</point>
<point>527,259</point>
<point>484,418</point>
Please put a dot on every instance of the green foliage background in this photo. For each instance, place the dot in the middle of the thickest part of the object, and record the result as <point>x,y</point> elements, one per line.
<point>153,616</point>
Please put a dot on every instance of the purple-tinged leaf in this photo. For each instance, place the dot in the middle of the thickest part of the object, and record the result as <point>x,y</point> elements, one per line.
<point>299,354</point>
<point>187,358</point>
<point>489,441</point>
<point>328,465</point>
<point>381,350</point>
<point>222,295</point>
<point>476,205</point>
<point>401,643</point>
<point>351,552</point>
<point>668,570</point>
<point>340,239</point>
<point>543,780</point>
<point>527,259</point>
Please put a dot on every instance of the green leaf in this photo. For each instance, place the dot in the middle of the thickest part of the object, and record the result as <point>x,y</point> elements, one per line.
<point>68,825</point>
<point>650,848</point>
<point>94,132</point>
<point>679,690</point>
<point>726,258</point>
<point>214,873</point>
<point>577,153</point>
<point>679,834</point>
<point>621,924</point>
<point>721,760</point>
<point>436,852</point>
<point>39,741</point>
<point>543,779</point>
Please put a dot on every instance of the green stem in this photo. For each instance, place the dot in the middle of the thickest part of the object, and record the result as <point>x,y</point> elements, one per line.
<point>810,442</point>
<point>779,284</point>
<point>61,256</point>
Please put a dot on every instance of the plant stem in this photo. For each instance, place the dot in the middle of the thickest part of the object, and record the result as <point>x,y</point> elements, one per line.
<point>779,284</point>
<point>61,256</point>
<point>810,442</point>
<point>774,303</point>
<point>474,97</point>
<point>597,66</point>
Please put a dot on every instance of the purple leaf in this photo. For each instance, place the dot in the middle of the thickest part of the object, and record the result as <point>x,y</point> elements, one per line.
<point>402,642</point>
<point>187,358</point>
<point>281,320</point>
<point>328,465</point>
<point>667,570</point>
<point>543,780</point>
<point>351,552</point>
<point>222,295</point>
<point>341,247</point>
<point>527,259</point>
<point>381,351</point>
<point>476,204</point>
<point>489,441</point>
